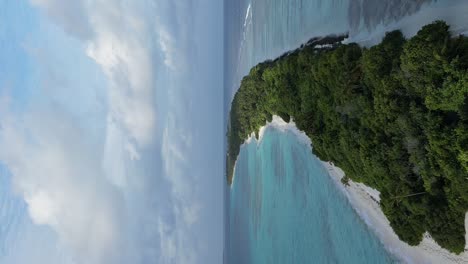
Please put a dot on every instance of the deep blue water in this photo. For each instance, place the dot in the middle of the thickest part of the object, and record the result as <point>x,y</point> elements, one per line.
<point>284,208</point>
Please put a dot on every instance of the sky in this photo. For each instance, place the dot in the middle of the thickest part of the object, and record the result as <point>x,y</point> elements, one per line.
<point>110,131</point>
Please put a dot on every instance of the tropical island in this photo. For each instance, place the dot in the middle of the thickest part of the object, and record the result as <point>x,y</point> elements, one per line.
<point>394,117</point>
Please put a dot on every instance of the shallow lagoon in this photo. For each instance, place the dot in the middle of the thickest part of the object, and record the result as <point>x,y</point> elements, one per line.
<point>285,208</point>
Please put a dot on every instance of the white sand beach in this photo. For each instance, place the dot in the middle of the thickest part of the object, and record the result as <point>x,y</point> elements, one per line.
<point>361,198</point>
<point>365,201</point>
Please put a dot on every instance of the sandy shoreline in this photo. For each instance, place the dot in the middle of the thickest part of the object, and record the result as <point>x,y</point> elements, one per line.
<point>363,198</point>
<point>365,202</point>
<point>360,197</point>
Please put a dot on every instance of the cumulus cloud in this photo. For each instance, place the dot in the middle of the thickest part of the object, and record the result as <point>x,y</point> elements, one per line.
<point>119,37</point>
<point>58,173</point>
<point>124,54</point>
<point>83,190</point>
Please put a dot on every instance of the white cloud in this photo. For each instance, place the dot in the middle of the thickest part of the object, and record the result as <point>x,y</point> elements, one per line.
<point>122,47</point>
<point>58,173</point>
<point>177,245</point>
<point>80,189</point>
<point>119,37</point>
<point>166,42</point>
<point>42,208</point>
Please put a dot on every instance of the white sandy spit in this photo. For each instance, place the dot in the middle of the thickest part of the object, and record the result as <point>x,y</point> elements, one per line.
<point>365,201</point>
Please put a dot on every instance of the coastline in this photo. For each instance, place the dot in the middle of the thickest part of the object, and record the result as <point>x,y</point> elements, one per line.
<point>365,200</point>
<point>278,123</point>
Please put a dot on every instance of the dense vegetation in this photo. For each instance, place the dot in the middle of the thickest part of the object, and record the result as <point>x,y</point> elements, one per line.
<point>394,117</point>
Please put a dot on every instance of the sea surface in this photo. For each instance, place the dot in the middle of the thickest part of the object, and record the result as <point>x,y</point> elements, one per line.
<point>283,207</point>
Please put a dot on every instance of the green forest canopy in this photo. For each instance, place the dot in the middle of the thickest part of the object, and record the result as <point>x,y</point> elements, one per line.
<point>394,117</point>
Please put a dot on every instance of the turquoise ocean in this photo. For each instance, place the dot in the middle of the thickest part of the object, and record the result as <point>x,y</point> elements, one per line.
<point>284,208</point>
